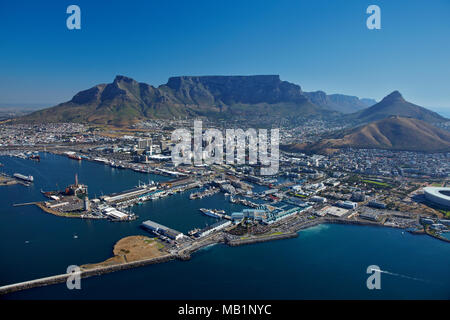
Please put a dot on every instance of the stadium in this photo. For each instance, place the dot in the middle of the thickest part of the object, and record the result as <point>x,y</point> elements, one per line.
<point>438,195</point>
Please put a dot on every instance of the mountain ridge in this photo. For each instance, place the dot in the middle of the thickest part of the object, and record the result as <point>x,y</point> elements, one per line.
<point>395,105</point>
<point>393,133</point>
<point>125,101</point>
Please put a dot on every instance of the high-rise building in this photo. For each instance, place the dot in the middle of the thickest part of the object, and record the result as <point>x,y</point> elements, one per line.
<point>145,144</point>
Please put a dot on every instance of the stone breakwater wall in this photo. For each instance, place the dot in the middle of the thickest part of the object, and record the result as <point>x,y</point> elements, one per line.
<point>239,242</point>
<point>84,274</point>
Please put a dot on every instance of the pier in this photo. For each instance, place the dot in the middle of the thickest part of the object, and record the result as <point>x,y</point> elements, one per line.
<point>25,204</point>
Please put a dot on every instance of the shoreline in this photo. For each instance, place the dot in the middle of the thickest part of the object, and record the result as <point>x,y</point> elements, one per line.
<point>41,206</point>
<point>183,255</point>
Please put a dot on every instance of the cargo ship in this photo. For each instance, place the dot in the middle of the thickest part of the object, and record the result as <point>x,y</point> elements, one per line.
<point>23,177</point>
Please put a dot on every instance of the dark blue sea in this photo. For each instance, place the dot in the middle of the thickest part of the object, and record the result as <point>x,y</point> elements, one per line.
<point>324,262</point>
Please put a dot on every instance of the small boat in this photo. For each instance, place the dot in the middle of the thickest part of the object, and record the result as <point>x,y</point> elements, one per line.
<point>35,157</point>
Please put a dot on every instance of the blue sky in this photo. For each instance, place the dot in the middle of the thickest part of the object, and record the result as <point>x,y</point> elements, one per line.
<point>320,45</point>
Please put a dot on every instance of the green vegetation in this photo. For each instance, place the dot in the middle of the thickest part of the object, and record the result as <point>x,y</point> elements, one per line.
<point>381,184</point>
<point>275,233</point>
<point>446,213</point>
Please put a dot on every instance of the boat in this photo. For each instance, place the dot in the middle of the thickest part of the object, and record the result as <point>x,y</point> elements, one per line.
<point>23,177</point>
<point>35,157</point>
<point>193,231</point>
<point>213,213</point>
<point>101,160</point>
<point>74,157</point>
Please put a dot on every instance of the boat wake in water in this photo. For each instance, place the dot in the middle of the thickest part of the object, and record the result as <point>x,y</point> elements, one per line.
<point>401,275</point>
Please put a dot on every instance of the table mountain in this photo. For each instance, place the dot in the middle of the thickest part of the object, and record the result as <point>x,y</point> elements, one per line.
<point>125,101</point>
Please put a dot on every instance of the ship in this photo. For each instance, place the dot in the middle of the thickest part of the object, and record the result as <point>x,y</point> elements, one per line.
<point>193,231</point>
<point>74,157</point>
<point>218,214</point>
<point>23,177</point>
<point>101,160</point>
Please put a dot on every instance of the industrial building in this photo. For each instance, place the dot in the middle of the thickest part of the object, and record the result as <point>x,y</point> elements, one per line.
<point>159,229</point>
<point>372,216</point>
<point>129,194</point>
<point>214,227</point>
<point>113,213</point>
<point>332,211</point>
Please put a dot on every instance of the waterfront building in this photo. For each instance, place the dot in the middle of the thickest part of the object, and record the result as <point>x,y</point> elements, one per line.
<point>373,216</point>
<point>332,211</point>
<point>159,229</point>
<point>113,213</point>
<point>214,227</point>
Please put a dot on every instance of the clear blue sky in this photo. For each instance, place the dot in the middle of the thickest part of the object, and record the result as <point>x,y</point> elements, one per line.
<point>320,45</point>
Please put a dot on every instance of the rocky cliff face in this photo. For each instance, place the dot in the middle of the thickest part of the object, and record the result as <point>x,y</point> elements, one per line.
<point>231,90</point>
<point>339,102</point>
<point>125,100</point>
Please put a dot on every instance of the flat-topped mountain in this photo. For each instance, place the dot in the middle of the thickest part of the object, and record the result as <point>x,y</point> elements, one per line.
<point>259,98</point>
<point>125,101</point>
<point>394,133</point>
<point>339,102</point>
<point>395,105</point>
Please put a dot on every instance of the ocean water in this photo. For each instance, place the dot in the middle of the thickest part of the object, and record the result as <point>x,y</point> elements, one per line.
<point>324,262</point>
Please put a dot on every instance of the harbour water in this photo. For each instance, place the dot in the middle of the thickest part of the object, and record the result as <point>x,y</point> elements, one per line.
<point>324,262</point>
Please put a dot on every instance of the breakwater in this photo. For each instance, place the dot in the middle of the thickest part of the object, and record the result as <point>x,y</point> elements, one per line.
<point>83,274</point>
<point>251,240</point>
